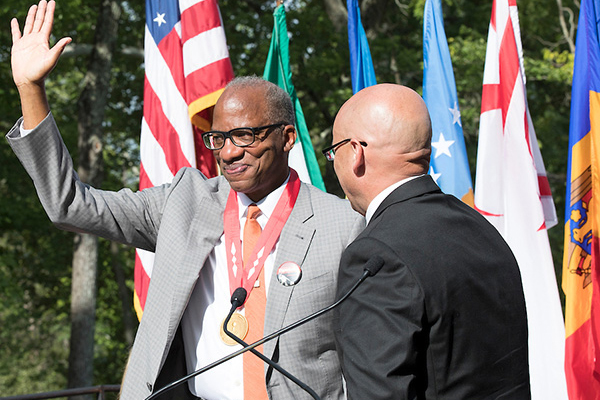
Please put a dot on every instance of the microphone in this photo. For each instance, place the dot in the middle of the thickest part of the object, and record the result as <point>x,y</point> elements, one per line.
<point>237,299</point>
<point>234,305</point>
<point>371,267</point>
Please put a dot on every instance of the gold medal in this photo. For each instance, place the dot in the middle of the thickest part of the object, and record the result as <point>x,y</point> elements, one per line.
<point>238,325</point>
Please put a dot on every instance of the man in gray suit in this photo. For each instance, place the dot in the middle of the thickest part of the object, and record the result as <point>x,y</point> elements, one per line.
<point>194,225</point>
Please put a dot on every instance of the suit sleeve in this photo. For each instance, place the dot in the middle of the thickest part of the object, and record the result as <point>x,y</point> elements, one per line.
<point>379,327</point>
<point>124,216</point>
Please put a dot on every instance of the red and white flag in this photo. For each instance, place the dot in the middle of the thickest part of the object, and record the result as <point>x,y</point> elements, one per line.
<point>512,192</point>
<point>187,68</point>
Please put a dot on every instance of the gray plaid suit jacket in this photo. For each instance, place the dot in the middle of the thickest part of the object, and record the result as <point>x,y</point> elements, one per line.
<point>181,222</point>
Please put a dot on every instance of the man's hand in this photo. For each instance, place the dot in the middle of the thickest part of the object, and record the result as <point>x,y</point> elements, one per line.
<point>32,59</point>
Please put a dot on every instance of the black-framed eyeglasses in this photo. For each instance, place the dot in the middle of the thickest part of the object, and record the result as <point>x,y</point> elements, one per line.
<point>329,152</point>
<point>240,137</point>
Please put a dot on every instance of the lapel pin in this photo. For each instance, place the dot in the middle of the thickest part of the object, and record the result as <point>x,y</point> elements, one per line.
<point>289,273</point>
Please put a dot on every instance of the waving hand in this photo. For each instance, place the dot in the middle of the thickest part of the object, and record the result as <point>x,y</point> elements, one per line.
<point>32,59</point>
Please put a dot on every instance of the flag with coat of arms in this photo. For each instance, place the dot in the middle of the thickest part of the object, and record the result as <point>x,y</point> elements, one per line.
<point>581,261</point>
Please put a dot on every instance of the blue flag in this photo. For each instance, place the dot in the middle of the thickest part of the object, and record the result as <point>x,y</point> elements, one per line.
<point>361,64</point>
<point>449,165</point>
<point>581,260</point>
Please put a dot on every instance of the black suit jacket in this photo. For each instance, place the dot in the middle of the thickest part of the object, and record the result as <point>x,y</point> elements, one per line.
<point>445,317</point>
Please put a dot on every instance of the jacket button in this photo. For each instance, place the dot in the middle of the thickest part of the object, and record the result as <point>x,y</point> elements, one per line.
<point>149,386</point>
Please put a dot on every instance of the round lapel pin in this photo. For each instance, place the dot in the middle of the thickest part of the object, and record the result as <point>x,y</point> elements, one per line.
<point>289,273</point>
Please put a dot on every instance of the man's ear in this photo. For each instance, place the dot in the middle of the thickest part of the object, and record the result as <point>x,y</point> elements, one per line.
<point>289,135</point>
<point>358,162</point>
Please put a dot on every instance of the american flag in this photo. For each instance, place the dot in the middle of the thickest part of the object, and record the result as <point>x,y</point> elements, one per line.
<point>512,192</point>
<point>187,67</point>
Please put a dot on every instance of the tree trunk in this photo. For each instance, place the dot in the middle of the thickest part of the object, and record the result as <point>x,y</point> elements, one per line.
<point>337,13</point>
<point>91,107</point>
<point>83,307</point>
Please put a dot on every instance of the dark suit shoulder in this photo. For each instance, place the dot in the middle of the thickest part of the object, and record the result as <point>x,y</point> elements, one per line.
<point>447,262</point>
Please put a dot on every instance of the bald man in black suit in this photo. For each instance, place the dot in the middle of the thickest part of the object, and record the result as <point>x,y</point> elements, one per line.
<point>445,317</point>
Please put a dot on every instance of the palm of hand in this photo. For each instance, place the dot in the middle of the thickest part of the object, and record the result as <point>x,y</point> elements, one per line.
<point>31,57</point>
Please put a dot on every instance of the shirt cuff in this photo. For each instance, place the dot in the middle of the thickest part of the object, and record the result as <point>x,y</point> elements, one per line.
<point>24,132</point>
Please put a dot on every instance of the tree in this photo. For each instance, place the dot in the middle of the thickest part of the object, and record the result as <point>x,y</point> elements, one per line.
<point>91,110</point>
<point>36,259</point>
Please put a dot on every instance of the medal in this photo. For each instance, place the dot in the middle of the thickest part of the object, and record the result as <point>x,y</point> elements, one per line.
<point>289,273</point>
<point>238,325</point>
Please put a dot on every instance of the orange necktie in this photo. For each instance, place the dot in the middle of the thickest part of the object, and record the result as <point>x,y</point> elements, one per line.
<point>254,376</point>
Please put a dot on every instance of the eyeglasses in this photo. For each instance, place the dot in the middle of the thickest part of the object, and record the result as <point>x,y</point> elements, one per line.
<point>329,152</point>
<point>240,137</point>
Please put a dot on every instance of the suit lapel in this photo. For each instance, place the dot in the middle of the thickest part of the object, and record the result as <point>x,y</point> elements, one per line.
<point>204,231</point>
<point>293,245</point>
<point>207,227</point>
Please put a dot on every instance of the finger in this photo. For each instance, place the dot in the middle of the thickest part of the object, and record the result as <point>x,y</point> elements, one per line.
<point>14,30</point>
<point>58,48</point>
<point>48,18</point>
<point>39,16</point>
<point>29,20</point>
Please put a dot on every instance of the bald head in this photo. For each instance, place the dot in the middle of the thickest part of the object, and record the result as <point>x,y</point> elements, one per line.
<point>394,123</point>
<point>390,116</point>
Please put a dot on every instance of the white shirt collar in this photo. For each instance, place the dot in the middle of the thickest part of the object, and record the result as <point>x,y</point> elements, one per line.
<point>376,202</point>
<point>266,204</point>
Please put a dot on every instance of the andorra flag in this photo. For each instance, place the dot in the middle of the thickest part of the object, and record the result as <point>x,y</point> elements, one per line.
<point>582,214</point>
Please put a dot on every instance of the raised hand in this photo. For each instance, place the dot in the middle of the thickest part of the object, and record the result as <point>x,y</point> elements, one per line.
<point>32,59</point>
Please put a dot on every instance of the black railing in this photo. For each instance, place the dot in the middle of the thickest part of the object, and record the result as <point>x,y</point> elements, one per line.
<point>100,390</point>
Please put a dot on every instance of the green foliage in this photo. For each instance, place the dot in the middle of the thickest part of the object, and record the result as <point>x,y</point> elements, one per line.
<point>34,288</point>
<point>35,258</point>
<point>34,263</point>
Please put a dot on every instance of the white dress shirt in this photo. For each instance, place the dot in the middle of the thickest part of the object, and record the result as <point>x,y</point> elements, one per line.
<point>377,200</point>
<point>208,306</point>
